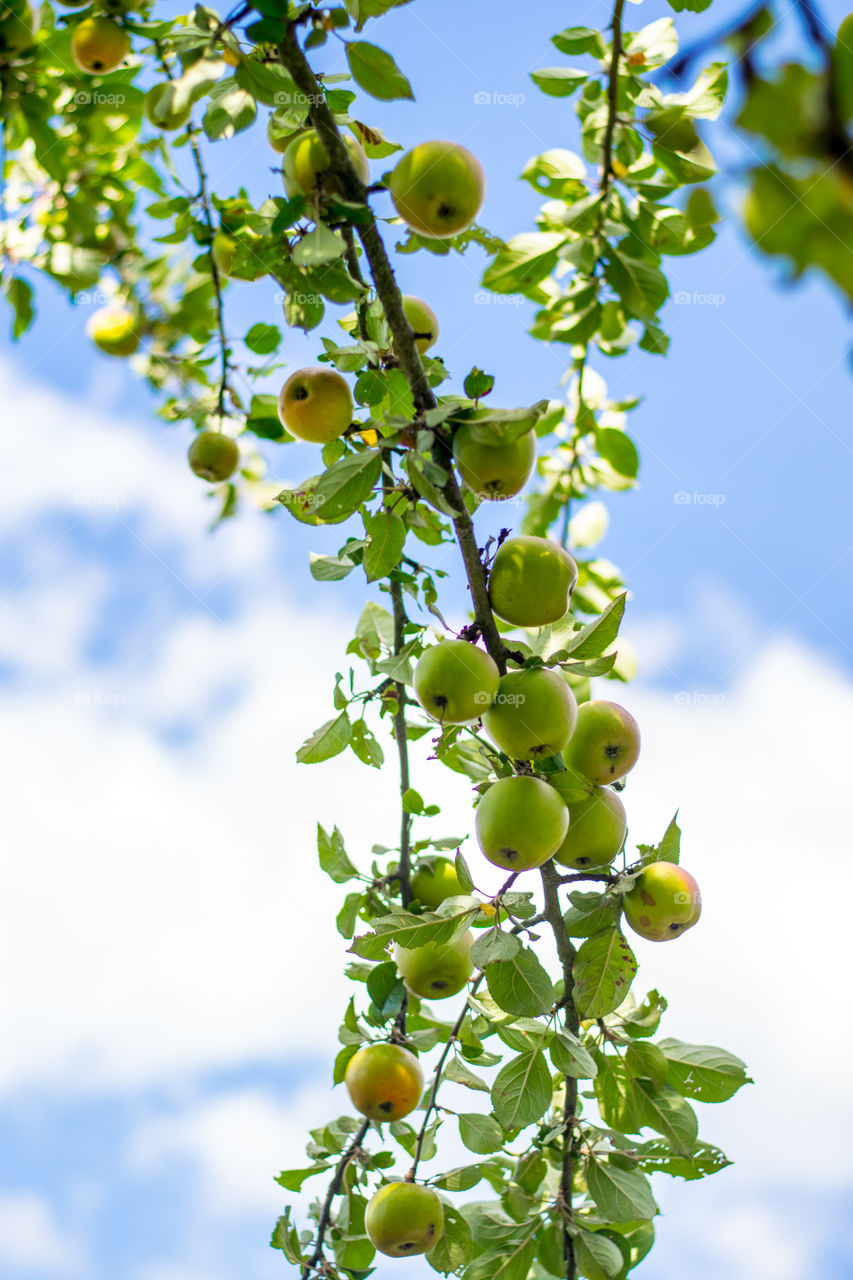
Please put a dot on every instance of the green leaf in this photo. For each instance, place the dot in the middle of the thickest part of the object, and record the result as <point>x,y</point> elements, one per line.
<point>520,985</point>
<point>19,295</point>
<point>347,917</point>
<point>670,845</point>
<point>286,1237</point>
<point>692,6</point>
<point>571,1058</point>
<point>595,1247</point>
<point>456,1071</point>
<point>702,1071</point>
<point>376,72</point>
<point>621,1195</point>
<point>619,450</point>
<point>461,1179</point>
<point>669,1114</point>
<point>480,1134</point>
<point>477,384</point>
<point>656,1156</point>
<point>292,1179</point>
<point>595,637</point>
<point>365,747</point>
<point>558,82</point>
<point>347,484</point>
<point>524,262</point>
<point>386,989</point>
<point>374,630</point>
<point>329,568</point>
<point>604,969</point>
<point>318,247</point>
<point>263,339</point>
<point>644,1059</point>
<point>493,945</point>
<point>456,1247</point>
<point>614,1091</point>
<point>329,740</point>
<point>522,1090</point>
<point>580,40</point>
<point>387,534</point>
<point>333,857</point>
<point>642,287</point>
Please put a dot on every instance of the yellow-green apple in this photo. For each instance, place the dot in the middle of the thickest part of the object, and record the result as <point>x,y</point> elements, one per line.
<point>597,826</point>
<point>494,471</point>
<point>423,321</point>
<point>531,581</point>
<point>521,822</point>
<point>113,330</point>
<point>605,743</point>
<point>533,714</point>
<point>315,404</point>
<point>663,902</point>
<point>159,106</point>
<point>305,165</point>
<point>404,1219</point>
<point>438,188</point>
<point>436,971</point>
<point>99,45</point>
<point>223,250</point>
<point>434,881</point>
<point>384,1081</point>
<point>213,456</point>
<point>456,682</point>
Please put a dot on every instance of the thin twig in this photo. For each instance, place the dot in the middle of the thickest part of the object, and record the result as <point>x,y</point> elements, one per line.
<point>334,1190</point>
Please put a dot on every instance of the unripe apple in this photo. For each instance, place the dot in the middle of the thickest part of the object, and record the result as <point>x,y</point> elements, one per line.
<point>113,330</point>
<point>306,163</point>
<point>436,971</point>
<point>521,822</point>
<point>404,1219</point>
<point>384,1081</point>
<point>494,471</point>
<point>533,715</point>
<point>597,826</point>
<point>456,682</point>
<point>434,881</point>
<point>423,321</point>
<point>316,405</point>
<point>159,107</point>
<point>531,581</point>
<point>16,32</point>
<point>223,250</point>
<point>438,189</point>
<point>663,902</point>
<point>99,45</point>
<point>606,742</point>
<point>213,456</point>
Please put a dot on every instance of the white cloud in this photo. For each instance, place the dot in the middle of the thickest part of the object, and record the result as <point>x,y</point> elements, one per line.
<point>31,1240</point>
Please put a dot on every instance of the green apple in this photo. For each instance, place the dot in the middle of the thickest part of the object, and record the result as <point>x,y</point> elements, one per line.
<point>606,742</point>
<point>533,715</point>
<point>456,682</point>
<point>423,321</point>
<point>531,581</point>
<point>316,405</point>
<point>17,28</point>
<point>436,971</point>
<point>433,881</point>
<point>438,189</point>
<point>213,456</point>
<point>521,822</point>
<point>384,1081</point>
<point>223,250</point>
<point>306,163</point>
<point>663,902</point>
<point>494,471</point>
<point>159,107</point>
<point>99,45</point>
<point>597,826</point>
<point>404,1219</point>
<point>113,330</point>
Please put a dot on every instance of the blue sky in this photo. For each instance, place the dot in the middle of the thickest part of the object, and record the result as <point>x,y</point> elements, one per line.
<point>160,905</point>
